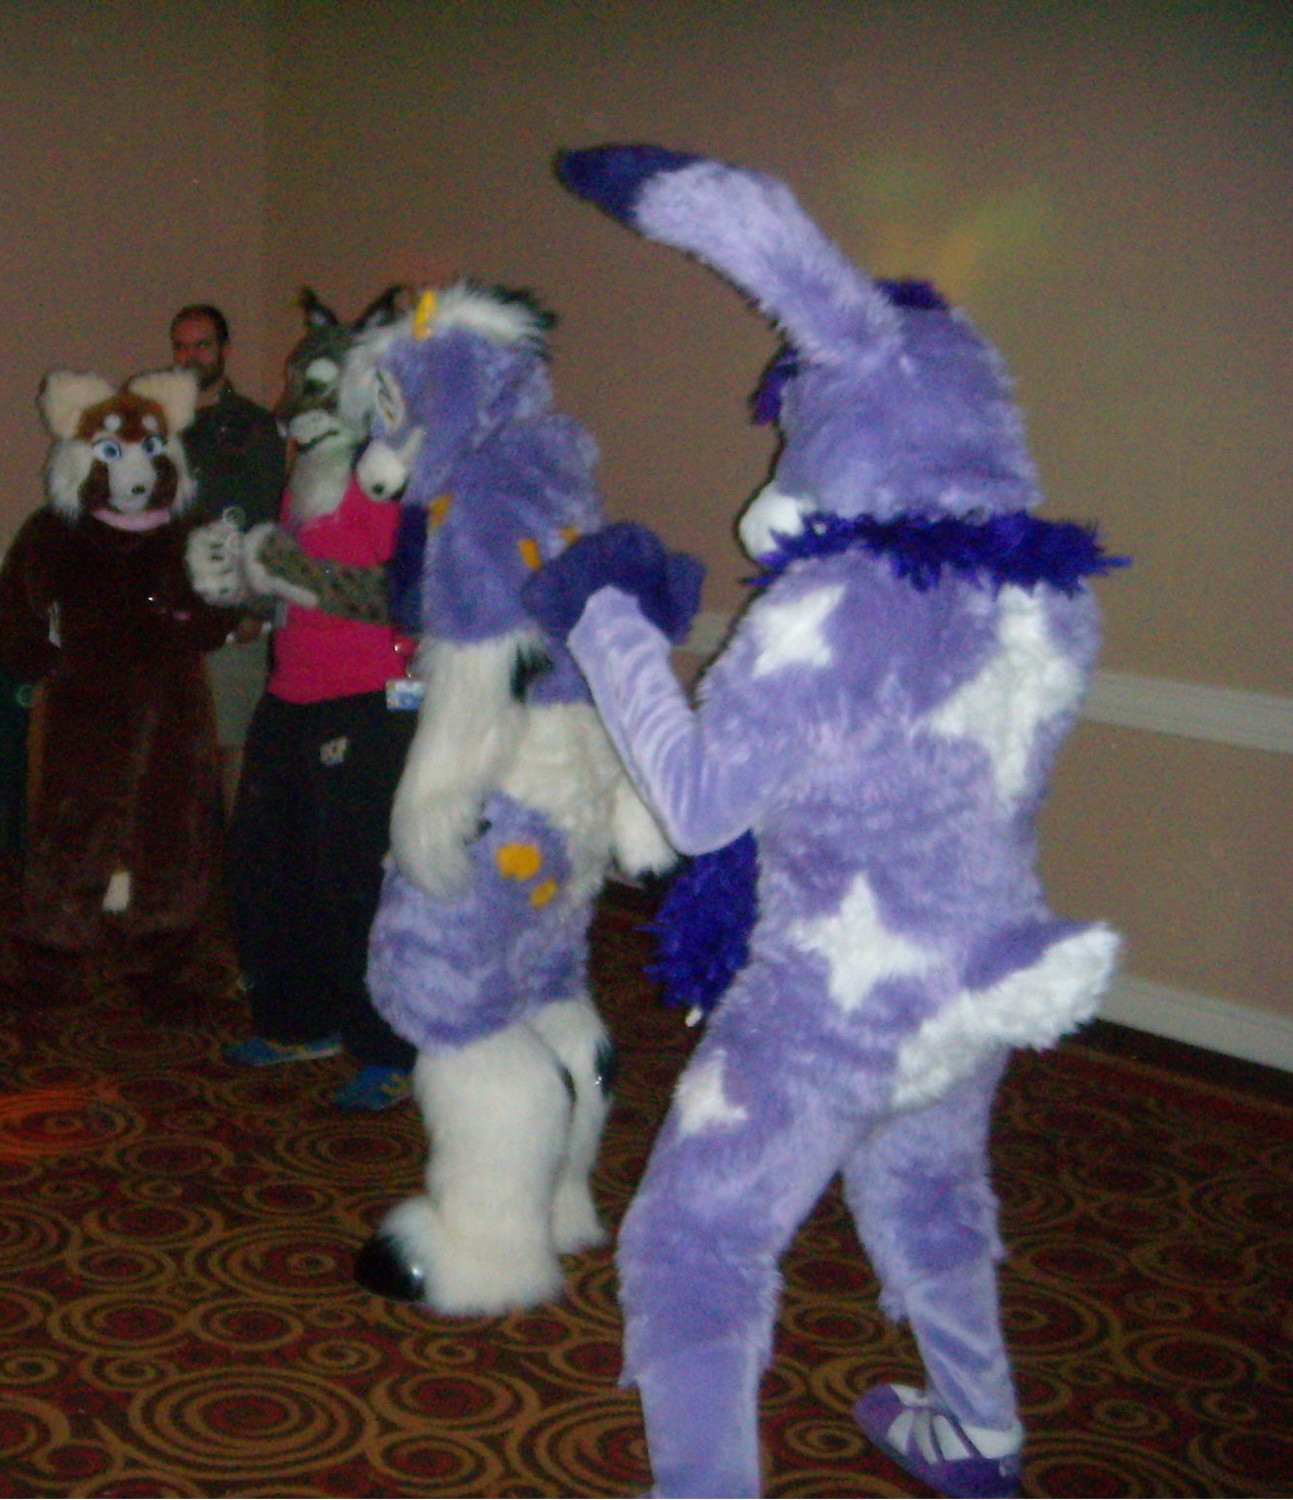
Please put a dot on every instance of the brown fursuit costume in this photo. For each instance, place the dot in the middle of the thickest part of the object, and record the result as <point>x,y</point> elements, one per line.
<point>96,605</point>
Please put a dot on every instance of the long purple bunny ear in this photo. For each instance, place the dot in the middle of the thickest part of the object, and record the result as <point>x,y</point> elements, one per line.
<point>751,229</point>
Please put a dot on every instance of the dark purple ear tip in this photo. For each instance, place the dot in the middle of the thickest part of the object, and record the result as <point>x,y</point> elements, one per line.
<point>612,176</point>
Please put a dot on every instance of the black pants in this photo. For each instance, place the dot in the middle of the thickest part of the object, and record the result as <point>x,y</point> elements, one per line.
<point>309,831</point>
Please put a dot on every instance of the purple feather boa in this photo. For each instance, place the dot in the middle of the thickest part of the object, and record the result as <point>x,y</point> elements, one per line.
<point>1016,548</point>
<point>702,929</point>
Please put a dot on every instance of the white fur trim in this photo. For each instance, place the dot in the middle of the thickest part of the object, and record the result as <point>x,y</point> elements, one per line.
<point>1030,1008</point>
<point>790,634</point>
<point>638,842</point>
<point>358,389</point>
<point>481,312</point>
<point>701,1098</point>
<point>65,394</point>
<point>860,951</point>
<point>66,470</point>
<point>1026,683</point>
<point>468,729</point>
<point>771,514</point>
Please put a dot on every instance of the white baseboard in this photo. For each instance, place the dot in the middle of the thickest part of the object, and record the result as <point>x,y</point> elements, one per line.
<point>1257,1036</point>
<point>1224,716</point>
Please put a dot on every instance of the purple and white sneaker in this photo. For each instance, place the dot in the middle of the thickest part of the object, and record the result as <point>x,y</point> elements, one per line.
<point>953,1457</point>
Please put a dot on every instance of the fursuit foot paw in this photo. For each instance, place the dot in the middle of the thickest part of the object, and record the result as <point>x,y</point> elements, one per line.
<point>575,1225</point>
<point>380,1268</point>
<point>417,1256</point>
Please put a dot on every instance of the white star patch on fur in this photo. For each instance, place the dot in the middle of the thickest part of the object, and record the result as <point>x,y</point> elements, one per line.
<point>860,951</point>
<point>1027,682</point>
<point>791,634</point>
<point>701,1100</point>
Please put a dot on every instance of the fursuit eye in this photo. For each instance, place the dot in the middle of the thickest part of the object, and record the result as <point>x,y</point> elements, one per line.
<point>321,375</point>
<point>108,449</point>
<point>153,445</point>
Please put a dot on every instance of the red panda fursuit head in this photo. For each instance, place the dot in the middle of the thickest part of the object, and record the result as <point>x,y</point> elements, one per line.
<point>96,606</point>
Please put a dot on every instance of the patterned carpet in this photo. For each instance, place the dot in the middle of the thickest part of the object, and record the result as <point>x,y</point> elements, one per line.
<point>177,1315</point>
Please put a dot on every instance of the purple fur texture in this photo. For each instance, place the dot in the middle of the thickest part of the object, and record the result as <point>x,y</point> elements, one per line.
<point>446,973</point>
<point>882,724</point>
<point>625,556</point>
<point>499,482</point>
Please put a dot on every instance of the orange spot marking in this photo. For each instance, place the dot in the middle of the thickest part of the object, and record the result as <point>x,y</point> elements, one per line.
<point>438,510</point>
<point>424,315</point>
<point>543,893</point>
<point>519,861</point>
<point>530,554</point>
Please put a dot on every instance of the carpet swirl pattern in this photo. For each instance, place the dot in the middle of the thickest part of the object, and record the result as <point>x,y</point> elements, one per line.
<point>177,1315</point>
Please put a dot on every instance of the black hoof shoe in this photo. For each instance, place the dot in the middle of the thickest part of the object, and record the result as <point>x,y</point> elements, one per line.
<point>380,1269</point>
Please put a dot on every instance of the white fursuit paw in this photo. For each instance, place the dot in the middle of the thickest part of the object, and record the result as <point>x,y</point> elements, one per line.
<point>213,554</point>
<point>500,1121</point>
<point>638,841</point>
<point>417,1257</point>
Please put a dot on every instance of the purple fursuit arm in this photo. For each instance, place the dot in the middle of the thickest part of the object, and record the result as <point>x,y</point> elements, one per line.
<point>702,799</point>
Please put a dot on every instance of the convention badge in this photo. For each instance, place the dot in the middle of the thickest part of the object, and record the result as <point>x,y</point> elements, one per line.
<point>404,692</point>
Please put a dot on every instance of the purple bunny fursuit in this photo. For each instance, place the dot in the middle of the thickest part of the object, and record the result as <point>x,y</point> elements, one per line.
<point>882,723</point>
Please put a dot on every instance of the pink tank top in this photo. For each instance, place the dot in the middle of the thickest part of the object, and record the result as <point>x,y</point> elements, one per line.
<point>317,655</point>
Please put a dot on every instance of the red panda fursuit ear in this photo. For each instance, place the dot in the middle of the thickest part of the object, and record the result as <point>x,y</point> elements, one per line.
<point>175,391</point>
<point>65,395</point>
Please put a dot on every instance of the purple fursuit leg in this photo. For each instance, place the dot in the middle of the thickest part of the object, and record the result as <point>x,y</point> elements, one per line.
<point>727,1186</point>
<point>701,1412</point>
<point>919,1190</point>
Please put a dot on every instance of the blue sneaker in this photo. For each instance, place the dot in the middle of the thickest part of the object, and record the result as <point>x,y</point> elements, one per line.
<point>374,1087</point>
<point>261,1052</point>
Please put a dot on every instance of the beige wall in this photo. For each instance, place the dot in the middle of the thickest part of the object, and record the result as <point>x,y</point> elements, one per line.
<point>131,181</point>
<point>1104,186</point>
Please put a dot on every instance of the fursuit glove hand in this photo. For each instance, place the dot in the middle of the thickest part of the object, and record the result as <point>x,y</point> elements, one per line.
<point>666,585</point>
<point>213,554</point>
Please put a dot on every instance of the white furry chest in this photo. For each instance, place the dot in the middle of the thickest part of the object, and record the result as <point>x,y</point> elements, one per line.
<point>565,767</point>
